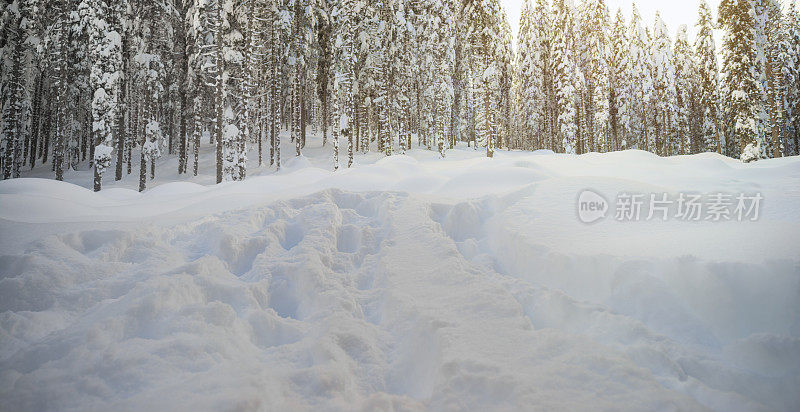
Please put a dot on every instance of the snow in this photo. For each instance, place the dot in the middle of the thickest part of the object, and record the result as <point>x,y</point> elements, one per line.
<point>407,282</point>
<point>102,153</point>
<point>751,153</point>
<point>153,128</point>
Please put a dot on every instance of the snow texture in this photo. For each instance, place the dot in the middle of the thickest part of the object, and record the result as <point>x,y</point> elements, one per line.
<point>404,283</point>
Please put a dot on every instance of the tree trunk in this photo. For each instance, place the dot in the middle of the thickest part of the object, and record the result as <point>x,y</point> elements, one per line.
<point>123,108</point>
<point>218,101</point>
<point>276,141</point>
<point>303,119</point>
<point>142,170</point>
<point>325,118</point>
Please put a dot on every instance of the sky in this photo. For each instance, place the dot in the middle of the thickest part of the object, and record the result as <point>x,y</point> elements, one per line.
<point>674,12</point>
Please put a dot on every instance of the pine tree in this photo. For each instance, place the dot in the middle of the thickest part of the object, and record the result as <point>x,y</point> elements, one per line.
<point>486,45</point>
<point>760,66</point>
<point>105,46</point>
<point>777,73</point>
<point>183,47</point>
<point>533,55</point>
<point>364,73</point>
<point>506,58</point>
<point>150,78</point>
<point>564,69</point>
<point>56,41</point>
<point>641,91</point>
<point>236,104</point>
<point>683,62</point>
<point>456,9</point>
<point>298,61</point>
<point>344,81</point>
<point>434,97</point>
<point>594,32</point>
<point>275,84</point>
<point>738,65</point>
<point>708,108</point>
<point>525,56</point>
<point>14,90</point>
<point>200,79</point>
<point>792,117</point>
<point>124,83</point>
<point>619,81</point>
<point>80,92</point>
<point>664,102</point>
<point>323,76</point>
<point>218,84</point>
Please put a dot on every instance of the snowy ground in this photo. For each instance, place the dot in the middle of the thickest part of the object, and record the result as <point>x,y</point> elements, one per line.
<point>407,282</point>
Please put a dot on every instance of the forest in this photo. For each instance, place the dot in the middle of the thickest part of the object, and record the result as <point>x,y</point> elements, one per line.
<point>116,84</point>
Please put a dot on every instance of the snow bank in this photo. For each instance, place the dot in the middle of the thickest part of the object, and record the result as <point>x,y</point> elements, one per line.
<point>404,283</point>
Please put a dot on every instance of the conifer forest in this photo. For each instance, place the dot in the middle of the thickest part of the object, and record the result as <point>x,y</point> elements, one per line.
<point>113,85</point>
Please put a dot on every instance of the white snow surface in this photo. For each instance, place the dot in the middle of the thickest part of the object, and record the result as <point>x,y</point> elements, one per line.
<point>404,283</point>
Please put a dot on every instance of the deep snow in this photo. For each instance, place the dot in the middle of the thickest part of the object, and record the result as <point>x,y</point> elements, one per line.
<point>408,282</point>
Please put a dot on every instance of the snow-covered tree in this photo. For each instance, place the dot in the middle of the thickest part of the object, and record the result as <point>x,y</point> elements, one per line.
<point>105,54</point>
<point>664,101</point>
<point>620,84</point>
<point>740,77</point>
<point>14,93</point>
<point>534,65</point>
<point>487,61</point>
<point>595,70</point>
<point>343,76</point>
<point>708,107</point>
<point>149,77</point>
<point>641,90</point>
<point>685,72</point>
<point>564,73</point>
<point>792,115</point>
<point>777,72</point>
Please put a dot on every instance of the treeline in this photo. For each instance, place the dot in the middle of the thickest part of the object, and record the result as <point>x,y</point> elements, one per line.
<point>115,84</point>
<point>121,82</point>
<point>588,82</point>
